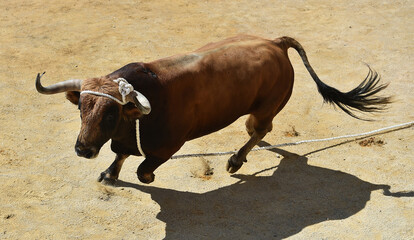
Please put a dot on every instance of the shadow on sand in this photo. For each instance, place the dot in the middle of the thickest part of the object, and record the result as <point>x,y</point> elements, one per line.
<point>295,196</point>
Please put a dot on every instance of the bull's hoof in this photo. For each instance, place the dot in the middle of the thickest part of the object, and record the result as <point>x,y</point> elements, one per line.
<point>105,180</point>
<point>234,164</point>
<point>109,181</point>
<point>146,178</point>
<point>101,176</point>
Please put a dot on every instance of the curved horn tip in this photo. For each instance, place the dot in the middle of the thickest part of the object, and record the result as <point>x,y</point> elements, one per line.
<point>39,86</point>
<point>39,76</point>
<point>145,108</point>
<point>68,85</point>
<point>140,101</point>
<point>146,111</point>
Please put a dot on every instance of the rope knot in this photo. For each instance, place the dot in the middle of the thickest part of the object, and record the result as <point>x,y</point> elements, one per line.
<point>124,88</point>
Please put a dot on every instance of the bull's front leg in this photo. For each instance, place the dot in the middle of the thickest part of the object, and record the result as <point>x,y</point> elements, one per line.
<point>110,175</point>
<point>145,171</point>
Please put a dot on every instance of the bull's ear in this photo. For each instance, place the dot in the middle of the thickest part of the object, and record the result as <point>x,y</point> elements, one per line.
<point>131,112</point>
<point>73,96</point>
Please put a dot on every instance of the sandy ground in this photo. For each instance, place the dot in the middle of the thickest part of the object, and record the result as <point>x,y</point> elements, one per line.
<point>330,190</point>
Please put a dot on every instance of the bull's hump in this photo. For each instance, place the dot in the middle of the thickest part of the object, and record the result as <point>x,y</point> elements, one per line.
<point>233,41</point>
<point>210,52</point>
<point>179,60</point>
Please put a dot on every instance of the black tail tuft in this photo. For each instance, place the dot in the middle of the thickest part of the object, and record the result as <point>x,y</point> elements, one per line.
<point>362,98</point>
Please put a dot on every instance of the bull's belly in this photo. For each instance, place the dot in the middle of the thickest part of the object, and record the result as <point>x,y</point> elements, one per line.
<point>213,125</point>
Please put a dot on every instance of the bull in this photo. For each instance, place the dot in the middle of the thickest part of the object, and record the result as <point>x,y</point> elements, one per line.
<point>183,97</point>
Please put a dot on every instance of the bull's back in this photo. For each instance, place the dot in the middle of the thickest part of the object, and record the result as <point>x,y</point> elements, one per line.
<point>215,85</point>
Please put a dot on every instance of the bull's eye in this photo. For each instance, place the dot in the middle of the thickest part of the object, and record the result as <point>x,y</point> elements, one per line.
<point>79,108</point>
<point>108,123</point>
<point>110,118</point>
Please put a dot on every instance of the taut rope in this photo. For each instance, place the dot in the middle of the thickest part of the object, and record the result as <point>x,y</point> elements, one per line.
<point>402,125</point>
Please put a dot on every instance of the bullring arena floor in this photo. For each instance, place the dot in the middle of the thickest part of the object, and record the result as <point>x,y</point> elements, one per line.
<point>330,190</point>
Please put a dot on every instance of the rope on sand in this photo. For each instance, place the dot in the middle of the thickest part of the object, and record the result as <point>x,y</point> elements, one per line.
<point>398,126</point>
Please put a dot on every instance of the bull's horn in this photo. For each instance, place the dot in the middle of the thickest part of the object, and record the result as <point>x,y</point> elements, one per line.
<point>68,85</point>
<point>140,101</point>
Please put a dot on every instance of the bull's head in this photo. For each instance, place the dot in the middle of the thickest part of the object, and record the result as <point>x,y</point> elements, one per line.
<point>101,116</point>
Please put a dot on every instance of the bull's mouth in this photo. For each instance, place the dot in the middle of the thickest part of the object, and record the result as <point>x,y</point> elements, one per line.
<point>86,152</point>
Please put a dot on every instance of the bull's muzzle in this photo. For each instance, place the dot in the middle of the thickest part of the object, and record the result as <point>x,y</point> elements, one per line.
<point>84,151</point>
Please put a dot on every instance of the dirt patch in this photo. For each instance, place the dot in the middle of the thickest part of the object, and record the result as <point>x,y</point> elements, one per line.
<point>8,216</point>
<point>291,133</point>
<point>372,141</point>
<point>204,172</point>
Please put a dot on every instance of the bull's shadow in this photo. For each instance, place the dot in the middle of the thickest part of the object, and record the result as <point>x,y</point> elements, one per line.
<point>297,195</point>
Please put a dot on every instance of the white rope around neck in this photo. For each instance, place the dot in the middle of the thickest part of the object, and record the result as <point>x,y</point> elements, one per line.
<point>103,95</point>
<point>139,139</point>
<point>124,89</point>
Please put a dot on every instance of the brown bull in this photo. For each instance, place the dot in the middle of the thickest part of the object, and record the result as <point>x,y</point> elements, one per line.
<point>187,96</point>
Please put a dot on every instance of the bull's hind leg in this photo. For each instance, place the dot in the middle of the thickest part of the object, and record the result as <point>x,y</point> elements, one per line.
<point>257,129</point>
<point>110,175</point>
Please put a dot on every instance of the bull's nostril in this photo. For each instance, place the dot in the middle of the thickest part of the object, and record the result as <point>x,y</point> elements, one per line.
<point>88,154</point>
<point>78,151</point>
<point>85,151</point>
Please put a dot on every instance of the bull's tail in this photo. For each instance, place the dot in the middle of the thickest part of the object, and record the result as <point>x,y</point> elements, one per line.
<point>362,98</point>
